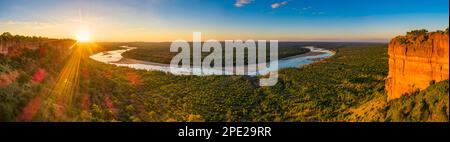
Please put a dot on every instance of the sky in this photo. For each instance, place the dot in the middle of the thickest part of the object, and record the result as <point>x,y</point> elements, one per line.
<point>168,20</point>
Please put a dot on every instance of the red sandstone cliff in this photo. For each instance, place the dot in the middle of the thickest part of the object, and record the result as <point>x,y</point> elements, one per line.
<point>415,60</point>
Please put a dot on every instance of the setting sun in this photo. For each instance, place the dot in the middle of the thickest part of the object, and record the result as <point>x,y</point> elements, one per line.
<point>83,36</point>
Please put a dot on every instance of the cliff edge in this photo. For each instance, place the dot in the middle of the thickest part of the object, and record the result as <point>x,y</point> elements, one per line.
<point>415,60</point>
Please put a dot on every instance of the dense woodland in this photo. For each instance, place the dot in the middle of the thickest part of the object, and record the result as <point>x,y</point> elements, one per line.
<point>348,86</point>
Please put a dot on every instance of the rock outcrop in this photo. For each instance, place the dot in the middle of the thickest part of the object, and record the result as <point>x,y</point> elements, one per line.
<point>415,60</point>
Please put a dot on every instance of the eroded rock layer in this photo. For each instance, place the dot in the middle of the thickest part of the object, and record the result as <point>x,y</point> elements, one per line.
<point>416,60</point>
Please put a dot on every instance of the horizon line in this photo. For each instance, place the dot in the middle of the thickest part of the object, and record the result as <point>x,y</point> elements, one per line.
<point>298,40</point>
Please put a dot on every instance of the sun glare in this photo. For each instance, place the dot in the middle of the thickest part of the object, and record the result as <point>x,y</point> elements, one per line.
<point>83,36</point>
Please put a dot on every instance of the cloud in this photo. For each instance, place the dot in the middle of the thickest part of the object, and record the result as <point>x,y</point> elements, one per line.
<point>306,8</point>
<point>318,13</point>
<point>241,3</point>
<point>39,25</point>
<point>279,4</point>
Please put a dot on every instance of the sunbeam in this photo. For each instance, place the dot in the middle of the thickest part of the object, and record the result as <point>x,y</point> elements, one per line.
<point>56,104</point>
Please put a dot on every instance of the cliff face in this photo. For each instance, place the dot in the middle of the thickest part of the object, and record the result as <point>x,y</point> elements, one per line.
<point>415,61</point>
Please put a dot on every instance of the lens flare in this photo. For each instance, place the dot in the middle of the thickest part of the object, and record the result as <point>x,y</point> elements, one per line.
<point>56,104</point>
<point>83,36</point>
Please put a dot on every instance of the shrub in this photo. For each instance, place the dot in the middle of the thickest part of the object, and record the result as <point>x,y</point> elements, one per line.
<point>403,40</point>
<point>417,32</point>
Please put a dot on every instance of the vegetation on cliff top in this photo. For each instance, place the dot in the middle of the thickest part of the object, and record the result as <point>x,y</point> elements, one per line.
<point>417,32</point>
<point>24,72</point>
<point>418,36</point>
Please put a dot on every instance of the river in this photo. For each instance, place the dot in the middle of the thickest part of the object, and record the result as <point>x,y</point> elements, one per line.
<point>114,57</point>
